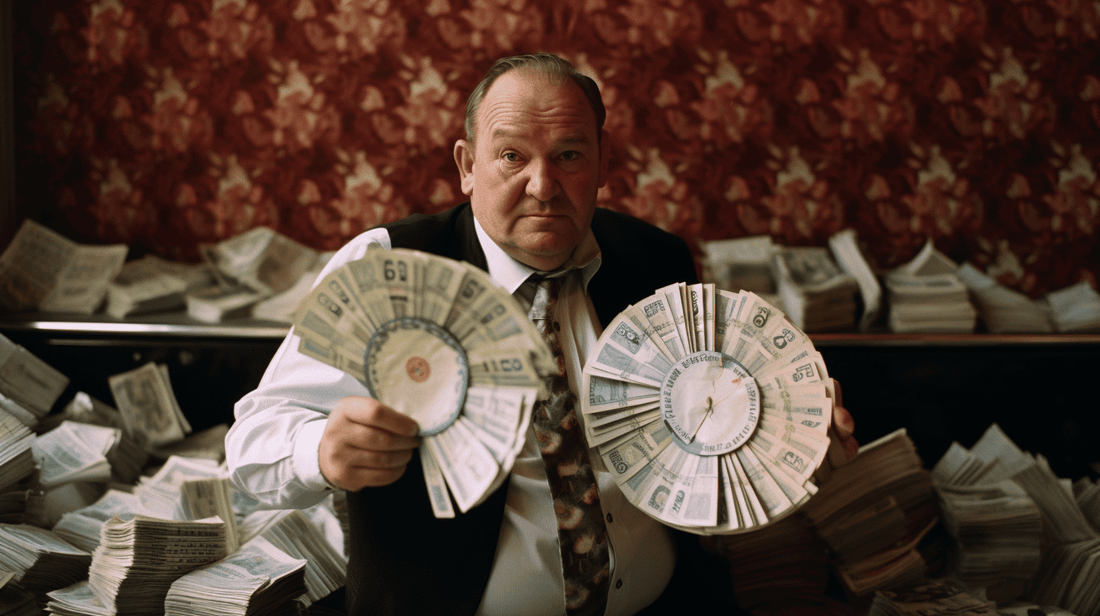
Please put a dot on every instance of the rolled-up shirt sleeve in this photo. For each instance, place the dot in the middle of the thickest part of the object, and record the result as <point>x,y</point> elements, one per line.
<point>271,448</point>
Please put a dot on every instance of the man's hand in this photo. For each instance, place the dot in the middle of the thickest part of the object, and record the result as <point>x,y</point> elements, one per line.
<point>842,446</point>
<point>366,444</point>
<point>844,426</point>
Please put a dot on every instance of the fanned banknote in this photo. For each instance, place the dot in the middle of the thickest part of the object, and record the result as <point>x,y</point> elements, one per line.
<point>710,409</point>
<point>439,341</point>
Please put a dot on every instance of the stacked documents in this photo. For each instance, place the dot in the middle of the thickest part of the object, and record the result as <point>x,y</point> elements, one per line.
<point>817,294</point>
<point>45,271</point>
<point>259,579</point>
<point>878,514</point>
<point>438,340</point>
<point>16,451</point>
<point>709,408</point>
<point>851,258</point>
<point>40,560</point>
<point>139,557</point>
<point>153,284</point>
<point>1075,308</point>
<point>926,295</point>
<point>29,387</point>
<point>1003,310</point>
<point>998,531</point>
<point>291,531</point>
<point>148,405</point>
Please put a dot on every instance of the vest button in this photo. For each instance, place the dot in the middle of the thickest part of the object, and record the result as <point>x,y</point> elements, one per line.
<point>609,518</point>
<point>557,326</point>
<point>618,584</point>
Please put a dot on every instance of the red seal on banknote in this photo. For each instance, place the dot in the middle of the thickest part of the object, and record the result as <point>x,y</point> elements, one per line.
<point>418,369</point>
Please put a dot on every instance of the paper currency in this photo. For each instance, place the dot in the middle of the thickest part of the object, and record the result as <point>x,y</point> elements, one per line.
<point>148,406</point>
<point>45,271</point>
<point>709,408</point>
<point>437,340</point>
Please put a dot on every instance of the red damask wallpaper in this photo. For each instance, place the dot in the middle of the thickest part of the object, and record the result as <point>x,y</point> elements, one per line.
<point>166,123</point>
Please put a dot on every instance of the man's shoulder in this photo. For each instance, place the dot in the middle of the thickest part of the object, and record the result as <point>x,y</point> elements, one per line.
<point>623,232</point>
<point>449,233</point>
<point>420,223</point>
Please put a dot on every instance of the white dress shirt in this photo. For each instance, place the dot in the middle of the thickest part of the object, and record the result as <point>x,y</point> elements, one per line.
<point>271,450</point>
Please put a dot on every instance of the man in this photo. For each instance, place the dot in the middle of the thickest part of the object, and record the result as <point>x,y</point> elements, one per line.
<point>534,157</point>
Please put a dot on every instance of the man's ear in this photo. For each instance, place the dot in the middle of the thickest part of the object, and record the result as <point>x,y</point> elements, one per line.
<point>605,157</point>
<point>464,158</point>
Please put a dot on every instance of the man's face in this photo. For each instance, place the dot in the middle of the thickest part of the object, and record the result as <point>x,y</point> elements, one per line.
<point>533,174</point>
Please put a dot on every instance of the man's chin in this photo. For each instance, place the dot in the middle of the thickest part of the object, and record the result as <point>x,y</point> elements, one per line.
<point>544,253</point>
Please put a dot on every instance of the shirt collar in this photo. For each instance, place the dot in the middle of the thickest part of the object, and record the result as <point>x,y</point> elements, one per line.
<point>511,274</point>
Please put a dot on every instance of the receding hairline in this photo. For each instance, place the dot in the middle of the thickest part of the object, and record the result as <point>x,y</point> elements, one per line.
<point>556,69</point>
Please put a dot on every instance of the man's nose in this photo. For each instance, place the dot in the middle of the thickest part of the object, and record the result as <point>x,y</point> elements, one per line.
<point>542,183</point>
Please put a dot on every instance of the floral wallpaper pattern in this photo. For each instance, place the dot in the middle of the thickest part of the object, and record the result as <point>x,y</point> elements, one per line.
<point>976,123</point>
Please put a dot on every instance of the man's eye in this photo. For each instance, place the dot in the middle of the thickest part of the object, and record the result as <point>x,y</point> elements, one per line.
<point>570,155</point>
<point>511,157</point>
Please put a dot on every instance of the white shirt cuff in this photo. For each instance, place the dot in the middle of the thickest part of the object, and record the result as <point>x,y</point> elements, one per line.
<point>307,463</point>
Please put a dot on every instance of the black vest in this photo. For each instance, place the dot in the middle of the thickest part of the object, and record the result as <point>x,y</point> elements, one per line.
<point>402,559</point>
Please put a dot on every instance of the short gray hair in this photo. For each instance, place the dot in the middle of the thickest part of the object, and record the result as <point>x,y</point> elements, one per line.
<point>546,63</point>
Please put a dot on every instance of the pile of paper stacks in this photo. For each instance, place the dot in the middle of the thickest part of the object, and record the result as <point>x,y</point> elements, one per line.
<point>926,296</point>
<point>877,515</point>
<point>39,559</point>
<point>1003,545</point>
<point>1003,310</point>
<point>815,293</point>
<point>259,579</point>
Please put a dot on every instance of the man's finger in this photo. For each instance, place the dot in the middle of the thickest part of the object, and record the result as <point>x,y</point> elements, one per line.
<point>370,412</point>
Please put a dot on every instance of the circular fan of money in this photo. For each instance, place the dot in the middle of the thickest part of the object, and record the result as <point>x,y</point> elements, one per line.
<point>709,408</point>
<point>437,340</point>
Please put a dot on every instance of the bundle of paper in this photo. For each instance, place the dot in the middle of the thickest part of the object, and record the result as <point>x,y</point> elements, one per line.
<point>81,527</point>
<point>709,408</point>
<point>45,271</point>
<point>851,258</point>
<point>1003,310</point>
<point>40,559</point>
<point>150,412</point>
<point>998,459</point>
<point>927,295</point>
<point>1070,577</point>
<point>259,579</point>
<point>261,259</point>
<point>16,451</point>
<point>437,340</point>
<point>152,284</point>
<point>208,498</point>
<point>762,575</point>
<point>32,385</point>
<point>1075,308</point>
<point>161,493</point>
<point>139,557</point>
<point>998,534</point>
<point>816,294</point>
<point>291,531</point>
<point>1086,491</point>
<point>743,263</point>
<point>74,452</point>
<point>877,514</point>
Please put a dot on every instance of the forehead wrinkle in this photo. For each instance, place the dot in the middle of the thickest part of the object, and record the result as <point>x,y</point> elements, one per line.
<point>525,110</point>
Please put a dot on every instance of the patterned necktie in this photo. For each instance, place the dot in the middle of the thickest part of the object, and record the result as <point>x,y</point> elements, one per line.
<point>581,529</point>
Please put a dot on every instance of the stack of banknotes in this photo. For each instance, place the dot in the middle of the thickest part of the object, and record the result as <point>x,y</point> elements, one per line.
<point>438,340</point>
<point>710,408</point>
